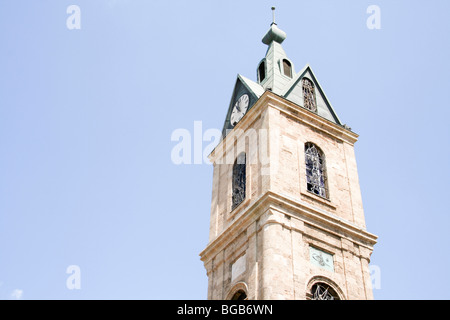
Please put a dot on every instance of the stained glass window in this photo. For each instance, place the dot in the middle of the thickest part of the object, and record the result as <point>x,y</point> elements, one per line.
<point>315,170</point>
<point>309,96</point>
<point>322,291</point>
<point>238,183</point>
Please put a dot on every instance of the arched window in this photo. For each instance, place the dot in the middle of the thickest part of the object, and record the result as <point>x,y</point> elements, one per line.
<point>316,176</point>
<point>238,292</point>
<point>309,95</point>
<point>240,295</point>
<point>322,291</point>
<point>287,68</point>
<point>238,183</point>
<point>262,71</point>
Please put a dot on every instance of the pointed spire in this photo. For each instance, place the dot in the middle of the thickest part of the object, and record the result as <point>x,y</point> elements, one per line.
<point>274,33</point>
<point>273,15</point>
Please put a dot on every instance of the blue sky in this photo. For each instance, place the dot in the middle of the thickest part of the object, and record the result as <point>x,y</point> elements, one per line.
<point>86,117</point>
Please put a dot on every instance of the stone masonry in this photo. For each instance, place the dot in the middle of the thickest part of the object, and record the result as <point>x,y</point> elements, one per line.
<point>262,247</point>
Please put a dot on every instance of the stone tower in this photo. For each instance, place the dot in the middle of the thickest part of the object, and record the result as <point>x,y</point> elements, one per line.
<point>287,219</point>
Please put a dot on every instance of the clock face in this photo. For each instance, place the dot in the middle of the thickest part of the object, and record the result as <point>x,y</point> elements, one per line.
<point>239,109</point>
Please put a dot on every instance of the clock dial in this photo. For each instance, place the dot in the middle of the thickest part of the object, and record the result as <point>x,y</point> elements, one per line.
<point>239,109</point>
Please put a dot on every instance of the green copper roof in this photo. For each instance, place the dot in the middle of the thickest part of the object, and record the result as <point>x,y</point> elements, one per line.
<point>275,80</point>
<point>274,34</point>
<point>280,78</point>
<point>290,87</point>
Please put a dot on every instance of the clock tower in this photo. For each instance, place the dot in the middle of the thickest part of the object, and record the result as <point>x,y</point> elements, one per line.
<point>287,219</point>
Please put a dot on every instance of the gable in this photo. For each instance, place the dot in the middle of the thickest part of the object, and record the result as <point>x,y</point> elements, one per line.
<point>294,93</point>
<point>242,86</point>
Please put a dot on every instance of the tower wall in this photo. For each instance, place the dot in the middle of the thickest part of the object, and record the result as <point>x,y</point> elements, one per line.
<point>263,247</point>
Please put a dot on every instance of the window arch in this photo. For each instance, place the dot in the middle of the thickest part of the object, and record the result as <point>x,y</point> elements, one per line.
<point>323,291</point>
<point>262,71</point>
<point>238,292</point>
<point>323,288</point>
<point>316,175</point>
<point>239,180</point>
<point>309,95</point>
<point>287,68</point>
<point>239,295</point>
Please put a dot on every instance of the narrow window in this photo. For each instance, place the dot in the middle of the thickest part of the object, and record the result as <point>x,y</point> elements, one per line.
<point>316,177</point>
<point>309,96</point>
<point>287,68</point>
<point>238,183</point>
<point>262,71</point>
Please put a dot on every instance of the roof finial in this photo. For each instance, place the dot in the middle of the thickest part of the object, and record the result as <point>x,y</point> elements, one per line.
<point>274,33</point>
<point>273,15</point>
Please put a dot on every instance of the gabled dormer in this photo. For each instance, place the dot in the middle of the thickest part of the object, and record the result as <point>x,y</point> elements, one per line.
<point>276,72</point>
<point>305,90</point>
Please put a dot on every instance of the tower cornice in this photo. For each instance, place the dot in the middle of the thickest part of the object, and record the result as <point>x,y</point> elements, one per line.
<point>305,212</point>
